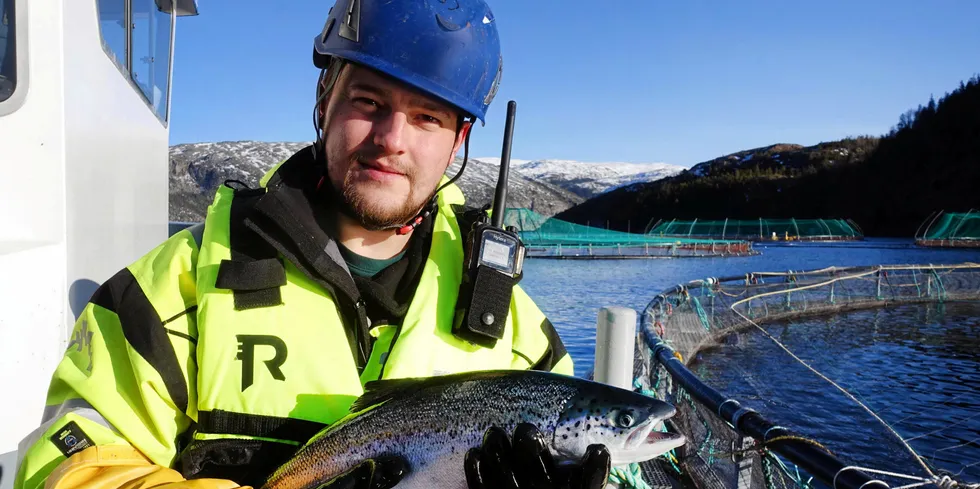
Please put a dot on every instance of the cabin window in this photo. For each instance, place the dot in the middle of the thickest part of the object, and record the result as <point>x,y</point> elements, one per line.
<point>136,35</point>
<point>112,24</point>
<point>151,52</point>
<point>8,50</point>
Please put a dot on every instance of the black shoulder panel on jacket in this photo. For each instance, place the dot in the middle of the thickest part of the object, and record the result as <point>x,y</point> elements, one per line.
<point>143,329</point>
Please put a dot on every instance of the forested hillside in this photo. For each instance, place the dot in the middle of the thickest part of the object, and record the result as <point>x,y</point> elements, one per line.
<point>930,160</point>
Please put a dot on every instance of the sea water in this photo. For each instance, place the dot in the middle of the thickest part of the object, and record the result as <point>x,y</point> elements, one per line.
<point>916,366</point>
<point>912,361</point>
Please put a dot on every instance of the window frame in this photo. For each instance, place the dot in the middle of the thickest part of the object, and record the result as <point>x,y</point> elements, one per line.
<point>21,66</point>
<point>127,71</point>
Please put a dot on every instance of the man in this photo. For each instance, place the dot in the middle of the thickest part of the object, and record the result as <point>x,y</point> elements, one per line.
<point>210,360</point>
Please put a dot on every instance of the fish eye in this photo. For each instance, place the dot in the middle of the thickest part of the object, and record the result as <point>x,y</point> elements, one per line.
<point>625,419</point>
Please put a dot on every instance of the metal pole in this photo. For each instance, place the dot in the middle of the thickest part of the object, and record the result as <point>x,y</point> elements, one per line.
<point>615,341</point>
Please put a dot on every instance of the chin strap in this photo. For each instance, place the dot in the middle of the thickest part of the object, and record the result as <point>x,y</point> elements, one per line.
<point>412,225</point>
<point>403,229</point>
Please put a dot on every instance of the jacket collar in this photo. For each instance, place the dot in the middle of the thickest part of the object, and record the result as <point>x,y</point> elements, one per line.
<point>294,218</point>
<point>295,214</point>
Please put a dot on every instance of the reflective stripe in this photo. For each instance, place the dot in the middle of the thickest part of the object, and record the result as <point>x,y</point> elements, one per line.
<point>55,412</point>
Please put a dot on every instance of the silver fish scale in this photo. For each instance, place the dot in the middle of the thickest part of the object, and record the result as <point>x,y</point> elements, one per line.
<point>432,428</point>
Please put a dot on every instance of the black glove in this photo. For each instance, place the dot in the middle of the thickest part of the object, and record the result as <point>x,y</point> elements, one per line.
<point>527,463</point>
<point>375,473</point>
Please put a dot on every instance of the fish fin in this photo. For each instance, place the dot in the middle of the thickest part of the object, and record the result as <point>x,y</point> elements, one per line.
<point>379,391</point>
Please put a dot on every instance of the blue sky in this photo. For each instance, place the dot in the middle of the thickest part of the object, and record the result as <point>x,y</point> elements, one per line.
<point>613,80</point>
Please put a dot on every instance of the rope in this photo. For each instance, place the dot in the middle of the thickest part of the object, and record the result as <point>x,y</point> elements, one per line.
<point>767,471</point>
<point>764,445</point>
<point>943,428</point>
<point>701,314</point>
<point>642,390</point>
<point>629,477</point>
<point>797,477</point>
<point>918,290</point>
<point>943,482</point>
<point>939,283</point>
<point>805,287</point>
<point>765,435</point>
<point>711,449</point>
<point>848,394</point>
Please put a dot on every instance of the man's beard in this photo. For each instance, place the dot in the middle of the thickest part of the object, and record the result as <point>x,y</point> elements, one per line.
<point>372,215</point>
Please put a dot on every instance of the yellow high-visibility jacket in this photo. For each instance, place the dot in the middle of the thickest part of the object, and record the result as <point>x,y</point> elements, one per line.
<point>217,354</point>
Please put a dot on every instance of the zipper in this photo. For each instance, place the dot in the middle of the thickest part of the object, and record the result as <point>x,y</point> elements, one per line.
<point>342,297</point>
<point>362,324</point>
<point>391,348</point>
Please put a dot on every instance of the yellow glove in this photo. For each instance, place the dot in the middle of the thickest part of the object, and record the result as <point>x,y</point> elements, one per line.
<point>123,467</point>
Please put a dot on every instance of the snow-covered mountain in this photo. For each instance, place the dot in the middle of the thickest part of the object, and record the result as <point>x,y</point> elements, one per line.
<point>589,179</point>
<point>546,186</point>
<point>197,169</point>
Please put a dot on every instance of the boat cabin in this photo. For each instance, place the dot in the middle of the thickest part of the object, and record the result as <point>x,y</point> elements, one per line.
<point>84,133</point>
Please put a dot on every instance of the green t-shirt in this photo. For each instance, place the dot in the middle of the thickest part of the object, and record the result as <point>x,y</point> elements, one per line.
<point>363,266</point>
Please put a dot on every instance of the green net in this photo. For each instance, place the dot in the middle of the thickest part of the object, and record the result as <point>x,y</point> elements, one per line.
<point>950,228</point>
<point>548,236</point>
<point>760,229</point>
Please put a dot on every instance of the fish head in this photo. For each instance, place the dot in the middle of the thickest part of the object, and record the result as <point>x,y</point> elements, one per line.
<point>623,421</point>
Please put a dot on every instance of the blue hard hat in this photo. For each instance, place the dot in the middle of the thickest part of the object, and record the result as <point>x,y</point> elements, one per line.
<point>447,48</point>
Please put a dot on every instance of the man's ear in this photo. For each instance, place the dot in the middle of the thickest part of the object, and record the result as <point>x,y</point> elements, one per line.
<point>464,131</point>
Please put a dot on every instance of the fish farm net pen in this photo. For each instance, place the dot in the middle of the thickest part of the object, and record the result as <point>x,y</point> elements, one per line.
<point>761,229</point>
<point>731,446</point>
<point>950,230</point>
<point>548,237</point>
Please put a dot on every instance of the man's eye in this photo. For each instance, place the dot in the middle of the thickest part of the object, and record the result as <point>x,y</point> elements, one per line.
<point>364,102</point>
<point>428,119</point>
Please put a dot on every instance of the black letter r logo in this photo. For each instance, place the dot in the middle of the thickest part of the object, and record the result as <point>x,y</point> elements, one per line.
<point>246,353</point>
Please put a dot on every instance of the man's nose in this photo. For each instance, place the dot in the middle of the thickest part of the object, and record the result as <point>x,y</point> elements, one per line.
<point>389,132</point>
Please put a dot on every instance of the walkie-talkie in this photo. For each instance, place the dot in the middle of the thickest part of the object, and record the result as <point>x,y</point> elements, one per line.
<point>493,262</point>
